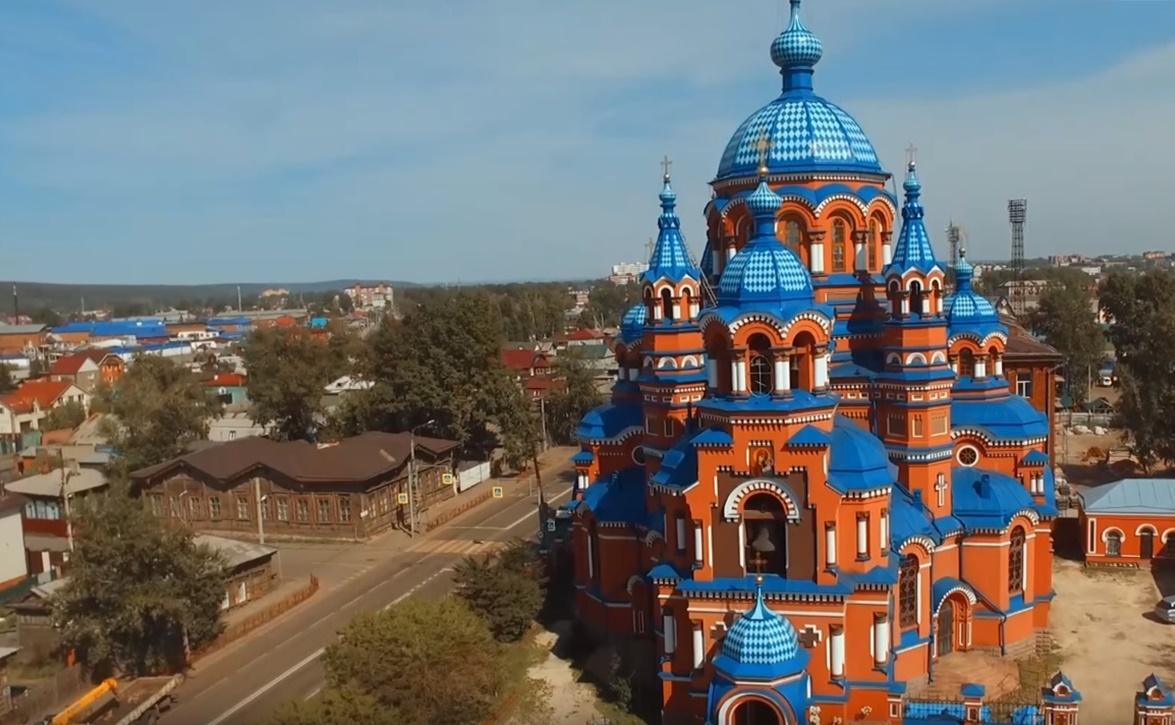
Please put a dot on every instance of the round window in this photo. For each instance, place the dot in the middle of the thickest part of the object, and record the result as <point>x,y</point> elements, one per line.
<point>638,455</point>
<point>968,456</point>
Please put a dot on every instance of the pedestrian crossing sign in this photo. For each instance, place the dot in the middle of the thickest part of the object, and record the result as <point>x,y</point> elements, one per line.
<point>402,498</point>
<point>448,479</point>
<point>498,492</point>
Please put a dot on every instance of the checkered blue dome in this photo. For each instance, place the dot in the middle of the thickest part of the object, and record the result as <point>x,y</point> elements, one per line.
<point>913,249</point>
<point>796,46</point>
<point>966,305</point>
<point>764,272</point>
<point>633,323</point>
<point>761,637</point>
<point>670,259</point>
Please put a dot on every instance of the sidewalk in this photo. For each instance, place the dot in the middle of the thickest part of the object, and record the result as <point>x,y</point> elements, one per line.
<point>285,588</point>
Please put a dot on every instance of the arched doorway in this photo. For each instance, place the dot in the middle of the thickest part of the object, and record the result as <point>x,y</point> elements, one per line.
<point>1146,544</point>
<point>945,636</point>
<point>755,712</point>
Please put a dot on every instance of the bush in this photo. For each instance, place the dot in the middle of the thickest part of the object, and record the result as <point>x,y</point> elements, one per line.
<point>506,590</point>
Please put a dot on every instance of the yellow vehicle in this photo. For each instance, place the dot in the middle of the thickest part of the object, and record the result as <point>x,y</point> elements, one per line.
<point>89,704</point>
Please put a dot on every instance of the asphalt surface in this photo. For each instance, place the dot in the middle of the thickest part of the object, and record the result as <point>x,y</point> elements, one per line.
<point>245,682</point>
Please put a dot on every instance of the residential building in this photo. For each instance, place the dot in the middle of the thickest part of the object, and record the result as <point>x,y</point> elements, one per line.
<point>371,296</point>
<point>13,564</point>
<point>49,394</point>
<point>78,368</point>
<point>1023,293</point>
<point>1030,367</point>
<point>527,362</point>
<point>20,423</point>
<point>139,331</point>
<point>348,384</point>
<point>252,570</point>
<point>23,339</point>
<point>46,525</point>
<point>1129,522</point>
<point>579,297</point>
<point>818,487</point>
<point>35,632</point>
<point>627,272</point>
<point>228,388</point>
<point>234,425</point>
<point>346,490</point>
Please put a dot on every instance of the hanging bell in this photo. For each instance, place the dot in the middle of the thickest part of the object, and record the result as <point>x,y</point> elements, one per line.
<point>762,543</point>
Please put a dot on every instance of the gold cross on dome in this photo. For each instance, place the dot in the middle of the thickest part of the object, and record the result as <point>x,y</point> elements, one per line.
<point>666,164</point>
<point>763,145</point>
<point>911,154</point>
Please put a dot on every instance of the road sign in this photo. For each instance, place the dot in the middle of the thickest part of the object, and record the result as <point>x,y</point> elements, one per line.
<point>499,492</point>
<point>402,498</point>
<point>448,479</point>
<point>550,524</point>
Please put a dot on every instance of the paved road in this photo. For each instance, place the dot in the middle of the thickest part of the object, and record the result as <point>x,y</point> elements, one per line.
<point>246,681</point>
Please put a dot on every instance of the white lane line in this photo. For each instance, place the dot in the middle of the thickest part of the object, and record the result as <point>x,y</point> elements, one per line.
<point>267,687</point>
<point>313,693</point>
<point>534,514</point>
<point>416,588</point>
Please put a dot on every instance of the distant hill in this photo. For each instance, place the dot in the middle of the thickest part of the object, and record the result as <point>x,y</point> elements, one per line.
<point>66,298</point>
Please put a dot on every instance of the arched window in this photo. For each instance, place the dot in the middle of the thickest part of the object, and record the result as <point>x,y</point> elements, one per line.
<point>839,239</point>
<point>916,297</point>
<point>760,372</point>
<point>792,237</point>
<point>649,304</point>
<point>803,362</point>
<point>765,534</point>
<point>1114,543</point>
<point>874,243</point>
<point>1146,543</point>
<point>1016,562</point>
<point>908,592</point>
<point>687,302</point>
<point>895,297</point>
<point>966,363</point>
<point>755,712</point>
<point>1169,544</point>
<point>667,304</point>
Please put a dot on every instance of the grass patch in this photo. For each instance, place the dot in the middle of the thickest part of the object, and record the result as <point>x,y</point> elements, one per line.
<point>524,700</point>
<point>1035,672</point>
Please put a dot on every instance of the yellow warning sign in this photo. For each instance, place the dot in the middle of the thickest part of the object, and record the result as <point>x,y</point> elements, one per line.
<point>499,492</point>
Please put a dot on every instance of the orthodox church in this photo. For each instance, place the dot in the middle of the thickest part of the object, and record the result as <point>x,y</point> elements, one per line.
<point>811,482</point>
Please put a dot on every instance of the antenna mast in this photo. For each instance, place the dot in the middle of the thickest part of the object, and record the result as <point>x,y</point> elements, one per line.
<point>1017,214</point>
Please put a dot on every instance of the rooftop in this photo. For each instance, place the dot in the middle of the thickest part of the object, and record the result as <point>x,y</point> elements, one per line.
<point>49,484</point>
<point>235,552</point>
<point>1132,496</point>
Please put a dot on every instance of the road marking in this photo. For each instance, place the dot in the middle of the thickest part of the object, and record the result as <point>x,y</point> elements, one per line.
<point>534,513</point>
<point>267,687</point>
<point>313,693</point>
<point>414,589</point>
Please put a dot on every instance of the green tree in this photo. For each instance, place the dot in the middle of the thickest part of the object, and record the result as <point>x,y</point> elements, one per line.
<point>567,405</point>
<point>288,371</point>
<point>1141,308</point>
<point>342,706</point>
<point>7,384</point>
<point>137,590</point>
<point>37,367</point>
<point>408,658</point>
<point>67,415</point>
<point>504,590</point>
<point>160,408</point>
<point>1068,322</point>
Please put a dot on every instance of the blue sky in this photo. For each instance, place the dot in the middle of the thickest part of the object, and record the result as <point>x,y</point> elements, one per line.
<point>290,140</point>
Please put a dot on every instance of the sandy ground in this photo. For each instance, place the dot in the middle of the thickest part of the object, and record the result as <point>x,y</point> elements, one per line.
<point>1108,641</point>
<point>572,702</point>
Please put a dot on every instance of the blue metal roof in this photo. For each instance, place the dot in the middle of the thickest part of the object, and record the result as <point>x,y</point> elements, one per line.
<point>118,328</point>
<point>632,325</point>
<point>679,465</point>
<point>670,259</point>
<point>810,435</point>
<point>944,586</point>
<point>764,271</point>
<point>966,310</point>
<point>620,499</point>
<point>761,645</point>
<point>986,499</point>
<point>858,460</point>
<point>1005,418</point>
<point>908,518</point>
<point>1132,496</point>
<point>912,249</point>
<point>583,458</point>
<point>1152,685</point>
<point>608,421</point>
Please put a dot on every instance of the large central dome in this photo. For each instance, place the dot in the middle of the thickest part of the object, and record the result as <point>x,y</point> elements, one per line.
<point>806,132</point>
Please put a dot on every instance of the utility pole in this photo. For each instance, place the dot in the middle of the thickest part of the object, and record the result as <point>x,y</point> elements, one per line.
<point>65,476</point>
<point>240,307</point>
<point>543,419</point>
<point>260,503</point>
<point>412,473</point>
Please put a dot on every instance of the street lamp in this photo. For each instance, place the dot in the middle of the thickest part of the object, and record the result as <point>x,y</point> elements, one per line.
<point>65,476</point>
<point>412,473</point>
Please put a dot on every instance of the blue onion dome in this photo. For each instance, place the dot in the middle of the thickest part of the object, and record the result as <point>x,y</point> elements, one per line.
<point>633,323</point>
<point>796,46</point>
<point>807,133</point>
<point>913,249</point>
<point>764,273</point>
<point>670,259</point>
<point>762,643</point>
<point>966,308</point>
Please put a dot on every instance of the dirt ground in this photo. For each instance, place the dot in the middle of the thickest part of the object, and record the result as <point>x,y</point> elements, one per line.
<point>572,702</point>
<point>1107,638</point>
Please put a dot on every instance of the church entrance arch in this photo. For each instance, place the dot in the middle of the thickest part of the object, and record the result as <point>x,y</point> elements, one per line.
<point>945,637</point>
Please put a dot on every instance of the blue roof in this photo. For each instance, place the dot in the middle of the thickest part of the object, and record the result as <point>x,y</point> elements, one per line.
<point>966,310</point>
<point>944,586</point>
<point>986,499</point>
<point>713,437</point>
<point>679,465</point>
<point>764,271</point>
<point>909,518</point>
<point>620,499</point>
<point>1162,695</point>
<point>632,325</point>
<point>229,320</point>
<point>1005,417</point>
<point>670,259</point>
<point>761,644</point>
<point>608,421</point>
<point>912,249</point>
<point>1132,496</point>
<point>1035,458</point>
<point>118,328</point>
<point>858,460</point>
<point>583,458</point>
<point>810,435</point>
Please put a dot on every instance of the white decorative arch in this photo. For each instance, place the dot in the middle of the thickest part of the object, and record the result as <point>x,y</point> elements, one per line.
<point>963,589</point>
<point>652,536</point>
<point>924,541</point>
<point>1106,534</point>
<point>1165,533</point>
<point>910,283</point>
<point>730,509</point>
<point>938,358</point>
<point>842,197</point>
<point>993,336</point>
<point>689,361</point>
<point>893,359</point>
<point>633,581</point>
<point>647,362</point>
<point>915,358</point>
<point>882,200</point>
<point>667,363</point>
<point>1144,527</point>
<point>797,199</point>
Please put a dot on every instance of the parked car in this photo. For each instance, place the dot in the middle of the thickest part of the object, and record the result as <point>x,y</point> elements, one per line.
<point>1165,609</point>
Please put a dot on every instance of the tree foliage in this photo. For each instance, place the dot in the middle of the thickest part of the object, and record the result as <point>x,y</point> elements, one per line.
<point>608,303</point>
<point>288,371</point>
<point>1142,312</point>
<point>161,408</point>
<point>505,590</point>
<point>1068,322</point>
<point>7,384</point>
<point>567,405</point>
<point>334,706</point>
<point>70,414</point>
<point>409,659</point>
<point>136,590</point>
<point>440,363</point>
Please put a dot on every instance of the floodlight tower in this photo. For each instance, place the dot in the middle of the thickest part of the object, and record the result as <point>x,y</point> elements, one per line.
<point>1017,213</point>
<point>953,235</point>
